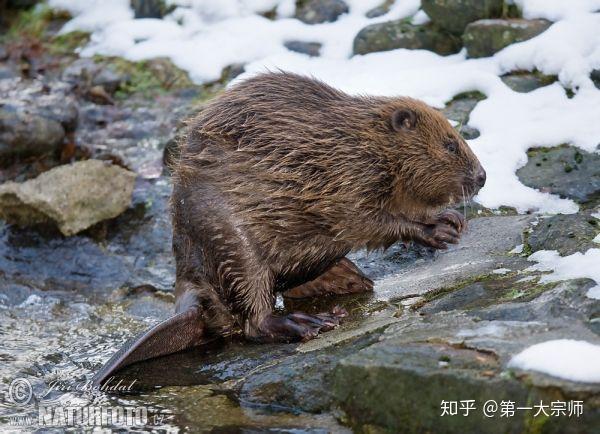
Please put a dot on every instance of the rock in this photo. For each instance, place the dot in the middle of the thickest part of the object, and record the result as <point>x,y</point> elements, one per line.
<point>468,132</point>
<point>459,110</point>
<point>23,133</point>
<point>60,108</point>
<point>299,381</point>
<point>310,48</point>
<point>481,250</point>
<point>485,37</point>
<point>86,72</point>
<point>149,8</point>
<point>566,233</point>
<point>135,250</point>
<point>34,116</point>
<point>450,356</point>
<point>99,95</point>
<point>320,11</point>
<point>82,69</point>
<point>20,4</point>
<point>461,107</point>
<point>3,53</point>
<point>74,197</point>
<point>595,76</point>
<point>109,79</point>
<point>454,15</point>
<point>400,34</point>
<point>380,10</point>
<point>564,170</point>
<point>231,71</point>
<point>527,81</point>
<point>7,72</point>
<point>168,75</point>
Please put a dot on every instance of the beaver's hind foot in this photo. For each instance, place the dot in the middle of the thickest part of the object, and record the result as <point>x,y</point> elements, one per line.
<point>297,326</point>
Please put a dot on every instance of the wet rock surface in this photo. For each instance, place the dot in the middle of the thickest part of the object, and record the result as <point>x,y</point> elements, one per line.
<point>401,34</point>
<point>34,117</point>
<point>485,37</point>
<point>454,15</point>
<point>74,197</point>
<point>320,11</point>
<point>450,355</point>
<point>563,170</point>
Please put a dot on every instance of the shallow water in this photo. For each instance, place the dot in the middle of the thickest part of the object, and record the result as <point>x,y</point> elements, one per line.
<point>67,304</point>
<point>56,341</point>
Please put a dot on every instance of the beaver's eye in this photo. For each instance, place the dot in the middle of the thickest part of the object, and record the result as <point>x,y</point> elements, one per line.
<point>451,146</point>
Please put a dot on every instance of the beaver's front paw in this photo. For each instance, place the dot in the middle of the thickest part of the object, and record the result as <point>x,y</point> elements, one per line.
<point>445,228</point>
<point>453,218</point>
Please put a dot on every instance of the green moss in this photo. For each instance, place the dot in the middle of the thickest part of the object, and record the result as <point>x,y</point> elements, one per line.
<point>31,27</point>
<point>148,77</point>
<point>527,249</point>
<point>474,94</point>
<point>510,10</point>
<point>437,293</point>
<point>534,424</point>
<point>31,23</point>
<point>67,43</point>
<point>525,291</point>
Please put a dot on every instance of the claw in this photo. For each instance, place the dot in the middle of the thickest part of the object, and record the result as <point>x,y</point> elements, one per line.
<point>454,218</point>
<point>298,326</point>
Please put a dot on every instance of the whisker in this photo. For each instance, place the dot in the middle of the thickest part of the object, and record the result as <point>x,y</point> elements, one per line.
<point>464,202</point>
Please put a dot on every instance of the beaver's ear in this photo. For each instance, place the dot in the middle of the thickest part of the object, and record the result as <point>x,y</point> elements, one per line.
<point>404,119</point>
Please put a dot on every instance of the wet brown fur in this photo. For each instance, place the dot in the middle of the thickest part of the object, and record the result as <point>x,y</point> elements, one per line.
<point>282,175</point>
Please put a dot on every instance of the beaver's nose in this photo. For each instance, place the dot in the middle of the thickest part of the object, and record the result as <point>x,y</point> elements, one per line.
<point>480,177</point>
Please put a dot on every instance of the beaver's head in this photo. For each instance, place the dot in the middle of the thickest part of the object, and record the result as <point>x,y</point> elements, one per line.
<point>435,166</point>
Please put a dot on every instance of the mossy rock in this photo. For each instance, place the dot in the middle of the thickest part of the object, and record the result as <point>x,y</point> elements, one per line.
<point>401,34</point>
<point>525,81</point>
<point>147,77</point>
<point>68,43</point>
<point>380,10</point>
<point>454,15</point>
<point>486,37</point>
<point>320,11</point>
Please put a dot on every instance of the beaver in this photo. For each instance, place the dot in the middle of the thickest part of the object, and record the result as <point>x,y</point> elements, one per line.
<point>278,179</point>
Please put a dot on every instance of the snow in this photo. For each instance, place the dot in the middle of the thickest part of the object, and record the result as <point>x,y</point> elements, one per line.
<point>204,36</point>
<point>501,270</point>
<point>518,249</point>
<point>563,358</point>
<point>554,10</point>
<point>577,265</point>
